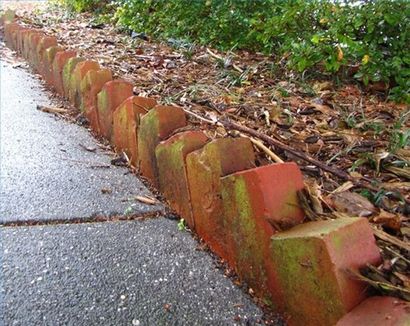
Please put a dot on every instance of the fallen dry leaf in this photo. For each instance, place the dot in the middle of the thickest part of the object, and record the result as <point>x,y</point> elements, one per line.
<point>388,220</point>
<point>352,204</point>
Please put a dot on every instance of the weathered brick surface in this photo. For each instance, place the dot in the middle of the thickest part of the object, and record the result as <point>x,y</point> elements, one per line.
<point>154,127</point>
<point>205,167</point>
<point>44,43</point>
<point>258,203</point>
<point>27,43</point>
<point>48,60</point>
<point>91,85</point>
<point>34,40</point>
<point>19,39</point>
<point>59,62</point>
<point>79,72</point>
<point>9,30</point>
<point>126,119</point>
<point>378,311</point>
<point>111,96</point>
<point>313,262</point>
<point>173,181</point>
<point>67,71</point>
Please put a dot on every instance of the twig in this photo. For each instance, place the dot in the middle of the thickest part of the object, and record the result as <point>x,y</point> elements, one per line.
<point>388,238</point>
<point>276,143</point>
<point>51,110</point>
<point>267,151</point>
<point>254,141</point>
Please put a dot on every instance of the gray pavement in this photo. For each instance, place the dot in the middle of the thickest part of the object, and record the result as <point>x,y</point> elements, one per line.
<point>45,170</point>
<point>115,273</point>
<point>111,273</point>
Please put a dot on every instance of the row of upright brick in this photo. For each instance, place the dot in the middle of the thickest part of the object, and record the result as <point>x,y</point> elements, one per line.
<point>248,215</point>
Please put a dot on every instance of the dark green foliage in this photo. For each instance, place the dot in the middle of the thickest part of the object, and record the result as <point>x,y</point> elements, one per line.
<point>369,39</point>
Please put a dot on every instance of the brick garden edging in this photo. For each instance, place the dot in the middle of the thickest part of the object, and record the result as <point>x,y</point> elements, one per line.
<point>248,215</point>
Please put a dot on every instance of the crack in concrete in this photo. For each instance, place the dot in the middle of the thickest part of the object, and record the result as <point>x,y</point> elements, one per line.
<point>94,218</point>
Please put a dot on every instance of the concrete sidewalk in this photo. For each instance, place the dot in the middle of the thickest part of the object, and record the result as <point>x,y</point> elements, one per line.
<point>111,273</point>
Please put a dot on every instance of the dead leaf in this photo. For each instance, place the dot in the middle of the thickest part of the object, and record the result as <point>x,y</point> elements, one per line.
<point>315,195</point>
<point>318,86</point>
<point>352,204</point>
<point>106,190</point>
<point>388,220</point>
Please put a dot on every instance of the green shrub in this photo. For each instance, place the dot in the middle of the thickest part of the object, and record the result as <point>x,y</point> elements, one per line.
<point>82,5</point>
<point>368,37</point>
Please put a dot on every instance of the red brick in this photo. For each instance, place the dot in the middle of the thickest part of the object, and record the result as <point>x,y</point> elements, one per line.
<point>173,181</point>
<point>126,120</point>
<point>205,167</point>
<point>314,263</point>
<point>27,43</point>
<point>44,43</point>
<point>79,72</point>
<point>67,71</point>
<point>258,203</point>
<point>9,30</point>
<point>91,85</point>
<point>48,60</point>
<point>59,62</point>
<point>378,311</point>
<point>19,41</point>
<point>111,96</point>
<point>155,126</point>
<point>34,40</point>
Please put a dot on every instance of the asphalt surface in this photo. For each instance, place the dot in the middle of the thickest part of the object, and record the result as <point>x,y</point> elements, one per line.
<point>115,273</point>
<point>45,169</point>
<point>140,272</point>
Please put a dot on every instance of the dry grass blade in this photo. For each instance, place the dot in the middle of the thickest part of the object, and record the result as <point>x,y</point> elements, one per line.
<point>146,200</point>
<point>386,288</point>
<point>389,238</point>
<point>47,109</point>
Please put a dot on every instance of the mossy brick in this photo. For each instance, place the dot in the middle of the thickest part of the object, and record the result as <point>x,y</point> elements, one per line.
<point>205,168</point>
<point>9,30</point>
<point>19,39</point>
<point>34,41</point>
<point>90,86</point>
<point>48,59</point>
<point>172,175</point>
<point>59,62</point>
<point>258,203</point>
<point>23,41</point>
<point>315,262</point>
<point>156,126</point>
<point>126,119</point>
<point>79,72</point>
<point>378,311</point>
<point>26,43</point>
<point>67,71</point>
<point>44,43</point>
<point>30,46</point>
<point>111,96</point>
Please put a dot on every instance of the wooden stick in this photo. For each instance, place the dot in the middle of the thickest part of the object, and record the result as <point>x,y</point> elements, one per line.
<point>276,143</point>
